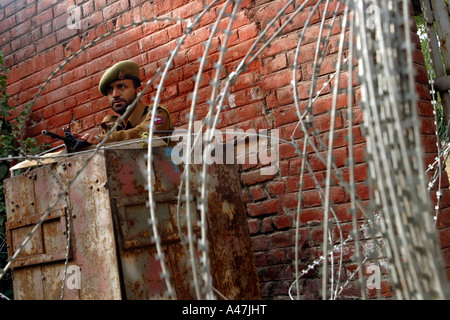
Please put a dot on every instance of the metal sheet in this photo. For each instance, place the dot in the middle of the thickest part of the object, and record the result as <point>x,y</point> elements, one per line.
<point>111,240</point>
<point>233,264</point>
<point>231,252</point>
<point>94,244</point>
<point>19,197</point>
<point>27,283</point>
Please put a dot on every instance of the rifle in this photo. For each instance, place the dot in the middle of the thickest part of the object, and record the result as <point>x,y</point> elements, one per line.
<point>70,140</point>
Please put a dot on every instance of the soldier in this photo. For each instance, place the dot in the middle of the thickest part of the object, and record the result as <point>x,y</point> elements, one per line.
<point>121,84</point>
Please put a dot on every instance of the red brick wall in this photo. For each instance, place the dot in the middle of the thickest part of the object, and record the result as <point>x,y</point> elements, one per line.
<point>35,39</point>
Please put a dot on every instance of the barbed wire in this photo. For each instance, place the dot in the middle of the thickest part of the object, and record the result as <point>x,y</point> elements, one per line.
<point>394,156</point>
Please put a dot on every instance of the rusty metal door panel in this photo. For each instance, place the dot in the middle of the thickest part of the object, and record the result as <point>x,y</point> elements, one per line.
<point>126,172</point>
<point>135,231</point>
<point>35,192</point>
<point>141,271</point>
<point>141,275</point>
<point>53,234</point>
<point>28,283</point>
<point>167,175</point>
<point>182,271</point>
<point>47,243</point>
<point>134,227</point>
<point>137,252</point>
<point>34,245</point>
<point>94,245</point>
<point>48,186</point>
<point>231,253</point>
<point>233,264</point>
<point>111,240</point>
<point>19,197</point>
<point>52,277</point>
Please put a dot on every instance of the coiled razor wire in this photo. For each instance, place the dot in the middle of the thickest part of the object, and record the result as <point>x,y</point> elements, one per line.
<point>398,221</point>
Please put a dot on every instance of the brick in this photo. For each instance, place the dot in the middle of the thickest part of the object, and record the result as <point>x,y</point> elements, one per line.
<point>282,239</point>
<point>127,37</point>
<point>115,9</point>
<point>282,222</point>
<point>5,3</point>
<point>26,13</point>
<point>281,44</point>
<point>243,113</point>
<point>7,23</point>
<point>82,97</point>
<point>46,43</point>
<point>197,37</point>
<point>263,208</point>
<point>276,80</point>
<point>311,197</point>
<point>287,151</point>
<point>324,104</point>
<point>317,237</point>
<point>311,216</point>
<point>25,53</point>
<point>267,225</point>
<point>360,173</point>
<point>62,7</point>
<point>278,256</point>
<point>429,143</point>
<point>273,64</point>
<point>323,122</point>
<point>246,80</point>
<point>359,153</point>
<point>46,28</point>
<point>247,32</point>
<point>443,219</point>
<point>87,8</point>
<point>238,51</point>
<point>300,19</point>
<point>260,243</point>
<point>254,177</point>
<point>257,193</point>
<point>444,237</point>
<point>265,13</point>
<point>62,119</point>
<point>98,4</point>
<point>57,95</point>
<point>185,11</point>
<point>275,188</point>
<point>319,162</point>
<point>65,34</point>
<point>446,256</point>
<point>30,82</point>
<point>285,115</point>
<point>290,200</point>
<point>260,259</point>
<point>44,4</point>
<point>386,290</point>
<point>253,226</point>
<point>21,29</point>
<point>350,292</point>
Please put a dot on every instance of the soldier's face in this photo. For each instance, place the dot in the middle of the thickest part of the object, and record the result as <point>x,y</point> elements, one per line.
<point>121,93</point>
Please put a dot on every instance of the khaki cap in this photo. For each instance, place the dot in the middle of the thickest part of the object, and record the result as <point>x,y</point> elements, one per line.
<point>122,70</point>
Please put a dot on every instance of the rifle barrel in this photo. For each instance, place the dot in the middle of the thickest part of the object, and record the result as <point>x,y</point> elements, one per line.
<point>54,135</point>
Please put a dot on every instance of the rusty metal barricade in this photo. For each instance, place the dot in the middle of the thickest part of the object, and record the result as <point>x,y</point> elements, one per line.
<point>111,241</point>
